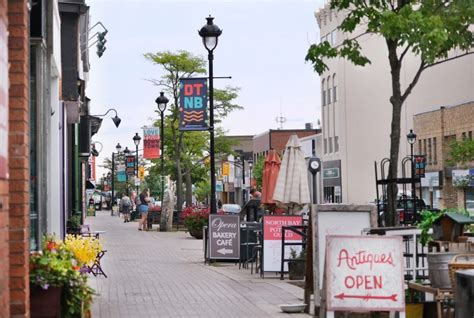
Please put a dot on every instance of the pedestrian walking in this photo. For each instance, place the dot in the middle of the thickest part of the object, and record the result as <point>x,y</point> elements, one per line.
<point>125,205</point>
<point>143,209</point>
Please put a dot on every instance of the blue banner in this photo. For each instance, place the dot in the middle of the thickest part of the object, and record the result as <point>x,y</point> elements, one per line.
<point>193,104</point>
<point>121,176</point>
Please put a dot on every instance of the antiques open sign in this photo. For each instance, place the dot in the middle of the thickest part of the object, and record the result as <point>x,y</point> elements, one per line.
<point>364,272</point>
<point>193,104</point>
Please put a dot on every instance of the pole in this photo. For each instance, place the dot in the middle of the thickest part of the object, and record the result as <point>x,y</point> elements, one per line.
<point>211,131</point>
<point>113,177</point>
<point>161,158</point>
<point>136,165</point>
<point>413,195</point>
<point>244,190</point>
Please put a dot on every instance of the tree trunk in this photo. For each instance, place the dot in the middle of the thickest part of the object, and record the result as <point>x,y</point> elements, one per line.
<point>396,100</point>
<point>179,184</point>
<point>189,188</point>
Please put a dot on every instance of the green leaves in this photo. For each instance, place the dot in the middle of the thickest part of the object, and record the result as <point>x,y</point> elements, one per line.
<point>461,152</point>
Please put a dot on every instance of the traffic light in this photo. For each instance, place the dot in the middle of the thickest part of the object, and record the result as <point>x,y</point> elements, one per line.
<point>101,43</point>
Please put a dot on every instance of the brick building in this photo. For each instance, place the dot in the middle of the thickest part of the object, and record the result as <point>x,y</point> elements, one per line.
<point>436,130</point>
<point>14,158</point>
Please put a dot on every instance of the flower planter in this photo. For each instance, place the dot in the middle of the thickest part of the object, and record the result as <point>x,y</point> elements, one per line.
<point>45,303</point>
<point>296,269</point>
<point>438,268</point>
<point>196,233</point>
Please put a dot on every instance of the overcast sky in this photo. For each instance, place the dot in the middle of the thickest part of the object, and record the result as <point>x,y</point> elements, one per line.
<point>262,46</point>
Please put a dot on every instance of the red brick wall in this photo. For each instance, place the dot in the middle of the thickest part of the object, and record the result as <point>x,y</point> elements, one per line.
<point>18,152</point>
<point>4,250</point>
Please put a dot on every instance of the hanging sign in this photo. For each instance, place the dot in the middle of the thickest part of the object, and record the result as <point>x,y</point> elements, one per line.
<point>121,176</point>
<point>272,232</point>
<point>141,173</point>
<point>151,142</point>
<point>364,272</point>
<point>130,162</point>
<point>420,163</point>
<point>193,104</point>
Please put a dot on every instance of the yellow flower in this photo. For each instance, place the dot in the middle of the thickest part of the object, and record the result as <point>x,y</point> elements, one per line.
<point>85,249</point>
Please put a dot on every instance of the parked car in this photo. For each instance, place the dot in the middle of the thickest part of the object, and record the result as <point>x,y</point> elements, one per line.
<point>231,209</point>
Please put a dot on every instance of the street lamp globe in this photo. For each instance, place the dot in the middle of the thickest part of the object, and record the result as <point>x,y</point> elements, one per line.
<point>411,137</point>
<point>118,148</point>
<point>126,151</point>
<point>136,139</point>
<point>161,101</point>
<point>210,34</point>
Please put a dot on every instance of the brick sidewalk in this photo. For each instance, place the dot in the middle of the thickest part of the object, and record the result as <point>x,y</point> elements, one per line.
<point>159,274</point>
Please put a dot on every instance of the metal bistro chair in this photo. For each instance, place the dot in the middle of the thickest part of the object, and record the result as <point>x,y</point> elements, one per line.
<point>96,268</point>
<point>250,239</point>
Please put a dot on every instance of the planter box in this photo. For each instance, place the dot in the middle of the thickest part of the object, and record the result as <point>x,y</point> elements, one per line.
<point>45,303</point>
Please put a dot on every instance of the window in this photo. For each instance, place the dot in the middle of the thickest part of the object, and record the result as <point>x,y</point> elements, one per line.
<point>334,88</point>
<point>420,148</point>
<point>330,144</point>
<point>430,161</point>
<point>323,93</point>
<point>336,144</point>
<point>325,145</point>
<point>435,150</point>
<point>328,85</point>
<point>333,37</point>
<point>424,147</point>
<point>329,95</point>
<point>463,136</point>
<point>470,135</point>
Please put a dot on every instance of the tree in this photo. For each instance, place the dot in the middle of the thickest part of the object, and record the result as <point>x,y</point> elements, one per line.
<point>258,172</point>
<point>429,30</point>
<point>186,149</point>
<point>461,152</point>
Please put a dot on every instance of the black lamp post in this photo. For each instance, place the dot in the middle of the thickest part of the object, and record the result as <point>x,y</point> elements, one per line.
<point>250,173</point>
<point>210,34</point>
<point>136,141</point>
<point>126,152</point>
<point>411,138</point>
<point>161,102</point>
<point>119,150</point>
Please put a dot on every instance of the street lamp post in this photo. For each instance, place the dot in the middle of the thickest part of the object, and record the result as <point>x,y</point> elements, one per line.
<point>250,173</point>
<point>119,149</point>
<point>161,102</point>
<point>210,34</point>
<point>411,138</point>
<point>136,141</point>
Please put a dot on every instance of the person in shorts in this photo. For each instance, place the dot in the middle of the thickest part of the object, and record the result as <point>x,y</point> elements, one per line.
<point>143,209</point>
<point>125,206</point>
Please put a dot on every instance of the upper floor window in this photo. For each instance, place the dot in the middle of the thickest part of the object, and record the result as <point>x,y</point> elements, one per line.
<point>325,145</point>
<point>328,83</point>
<point>323,93</point>
<point>334,88</point>
<point>334,37</point>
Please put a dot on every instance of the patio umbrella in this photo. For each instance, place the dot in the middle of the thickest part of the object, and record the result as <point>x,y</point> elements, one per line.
<point>292,183</point>
<point>271,168</point>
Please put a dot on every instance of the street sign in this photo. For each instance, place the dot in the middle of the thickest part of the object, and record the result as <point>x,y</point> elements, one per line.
<point>272,228</point>
<point>330,173</point>
<point>364,272</point>
<point>224,237</point>
<point>225,169</point>
<point>137,181</point>
<point>141,172</point>
<point>193,104</point>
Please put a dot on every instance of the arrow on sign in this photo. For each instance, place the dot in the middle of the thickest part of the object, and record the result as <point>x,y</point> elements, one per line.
<point>367,297</point>
<point>224,251</point>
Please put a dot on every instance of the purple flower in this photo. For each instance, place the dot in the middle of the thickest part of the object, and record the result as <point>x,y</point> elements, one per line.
<point>45,286</point>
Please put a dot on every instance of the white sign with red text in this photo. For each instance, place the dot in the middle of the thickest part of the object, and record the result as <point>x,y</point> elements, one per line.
<point>364,273</point>
<point>272,233</point>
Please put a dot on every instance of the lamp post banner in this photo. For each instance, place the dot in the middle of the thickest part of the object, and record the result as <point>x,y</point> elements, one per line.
<point>151,142</point>
<point>193,104</point>
<point>130,160</point>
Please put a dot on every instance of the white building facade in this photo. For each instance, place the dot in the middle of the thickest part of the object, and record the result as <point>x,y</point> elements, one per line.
<point>356,112</point>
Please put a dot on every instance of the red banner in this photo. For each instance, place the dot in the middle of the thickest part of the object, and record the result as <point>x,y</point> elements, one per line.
<point>151,143</point>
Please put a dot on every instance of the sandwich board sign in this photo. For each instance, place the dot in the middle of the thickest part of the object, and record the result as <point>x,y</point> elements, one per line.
<point>364,272</point>
<point>224,236</point>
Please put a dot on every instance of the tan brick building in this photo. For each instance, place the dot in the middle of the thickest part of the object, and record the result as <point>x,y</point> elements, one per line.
<point>436,130</point>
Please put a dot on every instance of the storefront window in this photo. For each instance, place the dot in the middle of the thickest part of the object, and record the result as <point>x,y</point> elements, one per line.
<point>34,221</point>
<point>470,200</point>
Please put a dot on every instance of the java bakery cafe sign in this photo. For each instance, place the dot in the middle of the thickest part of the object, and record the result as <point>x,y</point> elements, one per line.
<point>364,273</point>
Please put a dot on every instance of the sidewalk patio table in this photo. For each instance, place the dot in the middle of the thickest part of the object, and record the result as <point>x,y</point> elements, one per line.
<point>95,234</point>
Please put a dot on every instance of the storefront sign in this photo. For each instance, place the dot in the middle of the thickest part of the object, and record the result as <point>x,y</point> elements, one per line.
<point>151,142</point>
<point>364,272</point>
<point>130,162</point>
<point>224,237</point>
<point>331,173</point>
<point>219,186</point>
<point>431,179</point>
<point>3,99</point>
<point>193,104</point>
<point>272,232</point>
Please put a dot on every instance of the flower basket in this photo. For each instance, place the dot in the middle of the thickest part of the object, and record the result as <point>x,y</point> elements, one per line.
<point>45,303</point>
<point>195,219</point>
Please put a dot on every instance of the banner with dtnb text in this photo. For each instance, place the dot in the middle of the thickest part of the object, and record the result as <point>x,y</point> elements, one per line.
<point>151,142</point>
<point>193,104</point>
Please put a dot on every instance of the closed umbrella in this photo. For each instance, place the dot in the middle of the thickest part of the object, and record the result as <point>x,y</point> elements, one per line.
<point>271,168</point>
<point>292,182</point>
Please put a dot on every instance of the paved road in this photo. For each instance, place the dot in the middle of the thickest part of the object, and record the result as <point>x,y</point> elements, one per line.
<point>161,274</point>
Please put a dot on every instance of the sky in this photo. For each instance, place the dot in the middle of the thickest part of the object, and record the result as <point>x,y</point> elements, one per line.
<point>262,47</point>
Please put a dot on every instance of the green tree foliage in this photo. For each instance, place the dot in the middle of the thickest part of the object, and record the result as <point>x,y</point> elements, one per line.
<point>257,172</point>
<point>203,190</point>
<point>431,31</point>
<point>461,152</point>
<point>184,151</point>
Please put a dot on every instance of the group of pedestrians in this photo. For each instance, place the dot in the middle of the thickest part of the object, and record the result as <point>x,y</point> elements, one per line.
<point>141,202</point>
